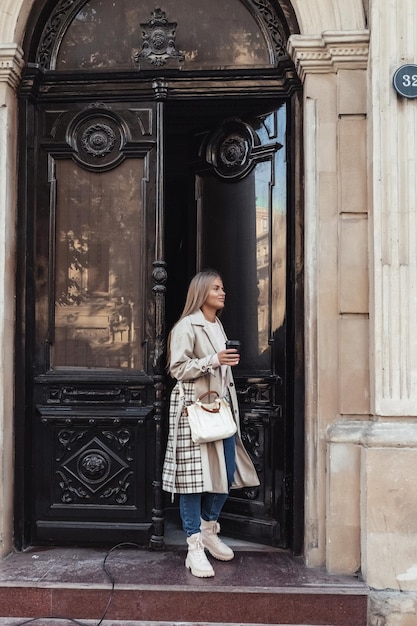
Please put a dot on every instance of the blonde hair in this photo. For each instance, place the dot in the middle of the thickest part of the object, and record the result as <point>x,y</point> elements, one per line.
<point>198,290</point>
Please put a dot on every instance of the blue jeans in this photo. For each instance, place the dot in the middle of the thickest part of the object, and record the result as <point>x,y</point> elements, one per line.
<point>207,506</point>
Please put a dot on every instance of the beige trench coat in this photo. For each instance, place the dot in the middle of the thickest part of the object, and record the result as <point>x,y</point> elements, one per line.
<point>199,467</point>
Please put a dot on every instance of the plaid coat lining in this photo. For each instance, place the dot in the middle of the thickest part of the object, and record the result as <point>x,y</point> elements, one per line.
<point>189,470</point>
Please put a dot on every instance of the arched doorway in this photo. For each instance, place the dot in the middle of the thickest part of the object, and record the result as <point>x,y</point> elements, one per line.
<point>167,145</point>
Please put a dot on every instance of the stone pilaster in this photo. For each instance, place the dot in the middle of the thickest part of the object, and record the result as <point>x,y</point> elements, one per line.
<point>393,189</point>
<point>10,67</point>
<point>333,70</point>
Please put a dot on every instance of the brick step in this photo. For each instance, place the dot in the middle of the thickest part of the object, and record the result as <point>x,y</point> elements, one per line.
<point>265,587</point>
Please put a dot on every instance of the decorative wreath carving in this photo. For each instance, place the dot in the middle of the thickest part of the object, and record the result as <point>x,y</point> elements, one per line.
<point>97,136</point>
<point>98,140</point>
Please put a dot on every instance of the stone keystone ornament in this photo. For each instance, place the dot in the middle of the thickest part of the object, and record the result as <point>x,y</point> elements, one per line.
<point>158,40</point>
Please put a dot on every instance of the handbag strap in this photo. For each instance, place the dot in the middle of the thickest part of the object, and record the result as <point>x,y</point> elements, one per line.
<point>213,407</point>
<point>208,393</point>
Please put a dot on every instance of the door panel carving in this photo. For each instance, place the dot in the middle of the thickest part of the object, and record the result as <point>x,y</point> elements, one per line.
<point>94,464</point>
<point>94,416</point>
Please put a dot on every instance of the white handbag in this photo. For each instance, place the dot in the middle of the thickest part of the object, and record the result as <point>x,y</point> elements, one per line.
<point>210,421</point>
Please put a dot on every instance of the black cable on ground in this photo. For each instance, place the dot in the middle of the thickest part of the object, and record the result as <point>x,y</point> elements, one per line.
<point>109,575</point>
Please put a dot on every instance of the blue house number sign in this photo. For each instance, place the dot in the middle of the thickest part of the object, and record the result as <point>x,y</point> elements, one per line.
<point>405,81</point>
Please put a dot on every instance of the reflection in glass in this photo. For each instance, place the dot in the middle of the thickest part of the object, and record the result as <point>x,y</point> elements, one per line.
<point>279,225</point>
<point>263,179</point>
<point>97,273</point>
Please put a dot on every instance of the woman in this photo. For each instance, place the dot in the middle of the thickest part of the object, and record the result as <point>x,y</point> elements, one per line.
<point>203,474</point>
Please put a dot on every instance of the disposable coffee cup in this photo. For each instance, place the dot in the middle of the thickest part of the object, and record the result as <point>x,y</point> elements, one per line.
<point>233,343</point>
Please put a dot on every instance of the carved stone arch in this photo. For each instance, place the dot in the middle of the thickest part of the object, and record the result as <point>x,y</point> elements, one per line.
<point>318,16</point>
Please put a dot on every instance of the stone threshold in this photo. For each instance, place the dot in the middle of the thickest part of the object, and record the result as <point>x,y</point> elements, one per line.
<point>144,586</point>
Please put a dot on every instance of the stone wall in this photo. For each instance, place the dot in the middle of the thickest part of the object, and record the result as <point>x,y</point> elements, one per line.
<point>362,506</point>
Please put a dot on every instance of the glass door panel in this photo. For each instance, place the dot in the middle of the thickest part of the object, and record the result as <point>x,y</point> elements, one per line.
<point>98,282</point>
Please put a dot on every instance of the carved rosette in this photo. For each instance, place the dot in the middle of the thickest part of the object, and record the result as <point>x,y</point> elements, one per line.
<point>230,149</point>
<point>233,151</point>
<point>98,139</point>
<point>93,466</point>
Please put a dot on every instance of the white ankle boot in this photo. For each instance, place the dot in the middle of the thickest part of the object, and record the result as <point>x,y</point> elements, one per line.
<point>196,560</point>
<point>213,543</point>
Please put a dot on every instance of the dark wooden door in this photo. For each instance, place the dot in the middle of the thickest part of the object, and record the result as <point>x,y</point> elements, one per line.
<point>228,197</point>
<point>104,231</point>
<point>153,143</point>
<point>93,418</point>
